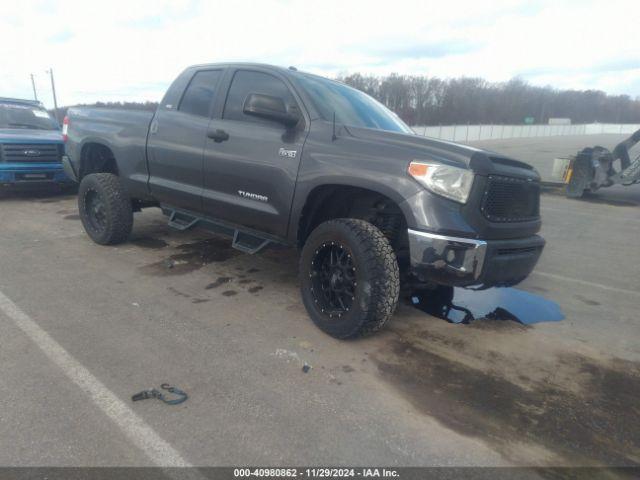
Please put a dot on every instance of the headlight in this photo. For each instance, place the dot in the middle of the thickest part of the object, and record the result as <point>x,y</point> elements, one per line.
<point>451,182</point>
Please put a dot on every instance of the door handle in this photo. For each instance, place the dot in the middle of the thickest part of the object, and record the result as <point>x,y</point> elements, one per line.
<point>218,135</point>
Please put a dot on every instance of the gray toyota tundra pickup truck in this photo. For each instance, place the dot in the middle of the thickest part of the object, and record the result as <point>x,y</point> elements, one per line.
<point>273,155</point>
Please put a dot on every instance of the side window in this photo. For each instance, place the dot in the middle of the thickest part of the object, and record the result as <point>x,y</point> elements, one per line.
<point>246,82</point>
<point>200,93</point>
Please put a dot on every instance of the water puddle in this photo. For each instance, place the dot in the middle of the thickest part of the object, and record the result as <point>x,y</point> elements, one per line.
<point>149,242</point>
<point>459,305</point>
<point>194,256</point>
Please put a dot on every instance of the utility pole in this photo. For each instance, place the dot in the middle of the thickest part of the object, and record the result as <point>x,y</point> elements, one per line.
<point>53,88</point>
<point>33,84</point>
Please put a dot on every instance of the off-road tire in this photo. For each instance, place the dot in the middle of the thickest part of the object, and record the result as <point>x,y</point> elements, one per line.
<point>376,273</point>
<point>116,208</point>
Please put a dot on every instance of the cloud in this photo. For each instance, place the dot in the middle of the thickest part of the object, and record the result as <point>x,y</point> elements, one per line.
<point>614,66</point>
<point>123,50</point>
<point>61,37</point>
<point>389,53</point>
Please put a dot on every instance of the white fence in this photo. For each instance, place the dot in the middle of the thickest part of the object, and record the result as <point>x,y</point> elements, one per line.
<point>471,133</point>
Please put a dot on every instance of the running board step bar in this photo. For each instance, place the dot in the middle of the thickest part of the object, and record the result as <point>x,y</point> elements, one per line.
<point>243,240</point>
<point>182,221</point>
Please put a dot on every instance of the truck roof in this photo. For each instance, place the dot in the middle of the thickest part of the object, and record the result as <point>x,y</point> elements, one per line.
<point>241,64</point>
<point>292,70</point>
<point>35,103</point>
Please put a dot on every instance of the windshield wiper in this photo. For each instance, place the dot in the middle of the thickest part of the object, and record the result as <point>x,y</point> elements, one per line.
<point>27,125</point>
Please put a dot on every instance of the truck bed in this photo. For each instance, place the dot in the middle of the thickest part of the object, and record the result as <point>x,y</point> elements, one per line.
<point>124,132</point>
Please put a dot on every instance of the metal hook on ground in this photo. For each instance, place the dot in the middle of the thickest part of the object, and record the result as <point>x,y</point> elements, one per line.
<point>153,393</point>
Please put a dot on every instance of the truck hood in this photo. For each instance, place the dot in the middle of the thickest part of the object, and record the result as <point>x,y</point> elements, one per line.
<point>482,162</point>
<point>21,135</point>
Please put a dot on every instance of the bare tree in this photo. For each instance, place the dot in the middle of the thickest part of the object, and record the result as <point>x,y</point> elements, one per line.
<point>422,100</point>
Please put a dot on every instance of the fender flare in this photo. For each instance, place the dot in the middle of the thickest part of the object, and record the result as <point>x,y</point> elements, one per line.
<point>305,191</point>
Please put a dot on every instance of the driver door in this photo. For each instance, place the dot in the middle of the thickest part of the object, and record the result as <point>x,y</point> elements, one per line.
<point>251,163</point>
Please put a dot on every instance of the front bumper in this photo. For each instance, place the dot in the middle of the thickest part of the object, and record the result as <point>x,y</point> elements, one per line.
<point>18,174</point>
<point>468,262</point>
<point>69,169</point>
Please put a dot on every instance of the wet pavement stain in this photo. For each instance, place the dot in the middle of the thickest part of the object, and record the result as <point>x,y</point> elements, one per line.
<point>255,289</point>
<point>538,289</point>
<point>245,281</point>
<point>253,270</point>
<point>296,307</point>
<point>200,300</point>
<point>178,293</point>
<point>194,256</point>
<point>72,217</point>
<point>596,423</point>
<point>219,281</point>
<point>459,305</point>
<point>149,242</point>
<point>229,293</point>
<point>498,325</point>
<point>586,300</point>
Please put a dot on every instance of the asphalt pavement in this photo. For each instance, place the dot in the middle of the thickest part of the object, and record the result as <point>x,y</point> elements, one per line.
<point>84,327</point>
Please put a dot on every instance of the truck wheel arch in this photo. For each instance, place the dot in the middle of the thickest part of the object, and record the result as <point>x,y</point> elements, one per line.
<point>331,201</point>
<point>96,157</point>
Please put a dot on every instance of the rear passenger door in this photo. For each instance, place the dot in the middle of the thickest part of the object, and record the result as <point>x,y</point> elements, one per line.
<point>176,143</point>
<point>250,176</point>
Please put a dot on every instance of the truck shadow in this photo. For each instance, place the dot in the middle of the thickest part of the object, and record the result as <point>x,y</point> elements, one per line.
<point>617,196</point>
<point>493,305</point>
<point>614,198</point>
<point>279,265</point>
<point>39,195</point>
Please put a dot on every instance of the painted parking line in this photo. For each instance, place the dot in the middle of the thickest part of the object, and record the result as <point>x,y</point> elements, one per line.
<point>586,283</point>
<point>135,428</point>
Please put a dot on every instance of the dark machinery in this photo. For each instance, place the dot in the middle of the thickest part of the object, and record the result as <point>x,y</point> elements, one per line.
<point>592,168</point>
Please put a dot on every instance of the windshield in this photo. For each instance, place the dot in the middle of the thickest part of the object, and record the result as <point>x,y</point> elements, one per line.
<point>13,115</point>
<point>351,107</point>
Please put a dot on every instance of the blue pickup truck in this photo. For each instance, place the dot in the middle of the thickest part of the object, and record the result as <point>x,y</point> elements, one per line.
<point>31,146</point>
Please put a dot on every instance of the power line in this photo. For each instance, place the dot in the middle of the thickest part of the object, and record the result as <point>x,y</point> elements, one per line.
<point>33,84</point>
<point>53,89</point>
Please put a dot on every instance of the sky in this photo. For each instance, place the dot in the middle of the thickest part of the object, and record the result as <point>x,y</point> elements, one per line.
<point>131,50</point>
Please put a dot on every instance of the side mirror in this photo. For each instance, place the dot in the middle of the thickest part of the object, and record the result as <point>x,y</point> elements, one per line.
<point>271,108</point>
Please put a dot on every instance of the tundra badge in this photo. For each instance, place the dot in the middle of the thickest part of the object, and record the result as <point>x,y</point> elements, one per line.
<point>287,153</point>
<point>253,196</point>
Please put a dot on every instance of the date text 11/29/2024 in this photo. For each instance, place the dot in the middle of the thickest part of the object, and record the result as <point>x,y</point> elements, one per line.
<point>316,472</point>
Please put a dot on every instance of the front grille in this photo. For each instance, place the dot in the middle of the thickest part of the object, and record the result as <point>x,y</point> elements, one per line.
<point>518,250</point>
<point>509,199</point>
<point>32,153</point>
